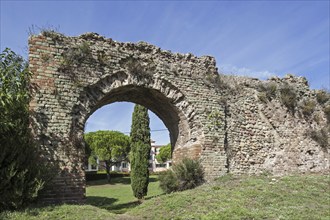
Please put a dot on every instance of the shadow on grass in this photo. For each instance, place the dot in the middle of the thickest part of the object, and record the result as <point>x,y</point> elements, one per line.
<point>113,181</point>
<point>151,197</point>
<point>116,180</point>
<point>100,201</point>
<point>107,204</point>
<point>122,208</point>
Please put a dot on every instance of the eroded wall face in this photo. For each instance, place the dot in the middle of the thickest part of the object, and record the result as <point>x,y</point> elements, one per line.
<point>74,76</point>
<point>265,136</point>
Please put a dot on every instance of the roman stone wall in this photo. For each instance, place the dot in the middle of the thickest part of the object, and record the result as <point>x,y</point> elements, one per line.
<point>264,136</point>
<point>218,119</point>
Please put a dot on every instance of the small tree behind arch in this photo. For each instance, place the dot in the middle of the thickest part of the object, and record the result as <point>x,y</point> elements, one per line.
<point>109,146</point>
<point>164,154</point>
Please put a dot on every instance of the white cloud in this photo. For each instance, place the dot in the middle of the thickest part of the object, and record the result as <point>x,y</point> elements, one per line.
<point>243,71</point>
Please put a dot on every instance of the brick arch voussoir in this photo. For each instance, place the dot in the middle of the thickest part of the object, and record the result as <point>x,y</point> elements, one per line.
<point>188,136</point>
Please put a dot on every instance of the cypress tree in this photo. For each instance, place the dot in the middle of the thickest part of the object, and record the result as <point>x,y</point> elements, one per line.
<point>140,151</point>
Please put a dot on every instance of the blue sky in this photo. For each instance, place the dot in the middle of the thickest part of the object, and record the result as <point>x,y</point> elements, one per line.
<point>253,38</point>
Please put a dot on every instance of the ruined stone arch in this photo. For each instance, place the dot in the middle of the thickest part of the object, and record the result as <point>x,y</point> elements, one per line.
<point>157,94</point>
<point>74,76</point>
<point>218,120</point>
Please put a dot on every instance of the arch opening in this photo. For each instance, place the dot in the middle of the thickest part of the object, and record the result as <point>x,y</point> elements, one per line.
<point>174,120</point>
<point>117,116</point>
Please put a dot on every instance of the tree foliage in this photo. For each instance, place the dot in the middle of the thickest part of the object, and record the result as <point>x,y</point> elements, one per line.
<point>140,151</point>
<point>164,154</point>
<point>20,168</point>
<point>108,146</point>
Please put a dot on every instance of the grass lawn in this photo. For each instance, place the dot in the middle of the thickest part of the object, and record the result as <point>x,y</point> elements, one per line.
<point>117,197</point>
<point>262,197</point>
<point>104,201</point>
<point>54,212</point>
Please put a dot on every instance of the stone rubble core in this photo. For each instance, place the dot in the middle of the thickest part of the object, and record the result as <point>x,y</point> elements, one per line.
<point>218,119</point>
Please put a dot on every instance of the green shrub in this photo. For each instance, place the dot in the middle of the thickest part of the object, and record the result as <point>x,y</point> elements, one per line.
<point>216,81</point>
<point>289,97</point>
<point>185,175</point>
<point>317,118</point>
<point>20,168</point>
<point>168,181</point>
<point>263,97</point>
<point>326,111</point>
<point>308,107</point>
<point>190,174</point>
<point>321,137</point>
<point>267,91</point>
<point>90,176</point>
<point>139,68</point>
<point>77,55</point>
<point>322,96</point>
